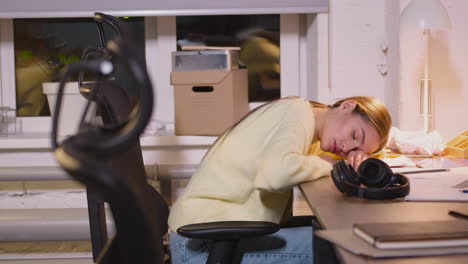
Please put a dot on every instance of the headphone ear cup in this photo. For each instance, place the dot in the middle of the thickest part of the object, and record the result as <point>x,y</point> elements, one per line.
<point>353,177</point>
<point>339,176</point>
<point>375,173</point>
<point>348,172</point>
<point>394,179</point>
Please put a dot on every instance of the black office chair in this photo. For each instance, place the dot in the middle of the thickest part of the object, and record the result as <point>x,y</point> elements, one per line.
<point>114,106</point>
<point>108,160</point>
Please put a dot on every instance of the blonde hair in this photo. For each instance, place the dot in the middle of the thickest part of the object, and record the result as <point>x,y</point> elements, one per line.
<point>373,110</point>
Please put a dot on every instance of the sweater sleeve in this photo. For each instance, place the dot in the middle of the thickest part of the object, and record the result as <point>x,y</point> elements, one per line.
<point>286,162</point>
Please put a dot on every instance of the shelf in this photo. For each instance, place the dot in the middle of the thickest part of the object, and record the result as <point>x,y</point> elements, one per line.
<point>42,141</point>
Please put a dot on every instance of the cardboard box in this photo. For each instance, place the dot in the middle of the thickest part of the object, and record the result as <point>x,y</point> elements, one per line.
<point>209,102</point>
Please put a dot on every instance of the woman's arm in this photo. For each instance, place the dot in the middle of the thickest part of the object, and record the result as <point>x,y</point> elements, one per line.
<point>285,160</point>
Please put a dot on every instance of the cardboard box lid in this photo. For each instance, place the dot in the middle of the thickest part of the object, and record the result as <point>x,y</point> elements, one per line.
<point>198,77</point>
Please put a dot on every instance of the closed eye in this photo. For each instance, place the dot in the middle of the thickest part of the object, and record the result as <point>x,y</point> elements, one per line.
<point>363,137</point>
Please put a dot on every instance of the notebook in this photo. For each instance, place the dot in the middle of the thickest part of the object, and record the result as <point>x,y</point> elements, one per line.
<point>347,240</point>
<point>420,234</point>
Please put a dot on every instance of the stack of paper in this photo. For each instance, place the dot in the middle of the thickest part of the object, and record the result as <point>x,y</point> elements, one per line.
<point>438,186</point>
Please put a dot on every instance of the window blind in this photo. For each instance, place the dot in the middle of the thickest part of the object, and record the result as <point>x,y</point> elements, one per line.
<point>86,8</point>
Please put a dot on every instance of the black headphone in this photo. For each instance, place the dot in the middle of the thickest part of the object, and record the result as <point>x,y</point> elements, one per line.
<point>373,180</point>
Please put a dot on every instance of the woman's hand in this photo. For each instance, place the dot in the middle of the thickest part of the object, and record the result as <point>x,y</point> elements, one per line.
<point>355,158</point>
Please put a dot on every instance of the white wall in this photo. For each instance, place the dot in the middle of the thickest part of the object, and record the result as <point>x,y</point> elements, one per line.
<point>448,70</point>
<point>359,29</point>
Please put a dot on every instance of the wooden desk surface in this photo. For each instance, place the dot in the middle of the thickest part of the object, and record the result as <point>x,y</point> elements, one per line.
<point>334,210</point>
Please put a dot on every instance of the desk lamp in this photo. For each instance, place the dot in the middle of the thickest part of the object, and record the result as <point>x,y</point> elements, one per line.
<point>426,15</point>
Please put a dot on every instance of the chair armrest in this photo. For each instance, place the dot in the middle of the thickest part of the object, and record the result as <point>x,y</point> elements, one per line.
<point>228,230</point>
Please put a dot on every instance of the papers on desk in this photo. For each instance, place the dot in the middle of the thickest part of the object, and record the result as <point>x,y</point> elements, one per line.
<point>400,161</point>
<point>438,186</point>
<point>442,163</point>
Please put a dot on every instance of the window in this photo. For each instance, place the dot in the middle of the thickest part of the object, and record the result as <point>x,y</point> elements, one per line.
<point>304,61</point>
<point>42,48</point>
<point>257,36</point>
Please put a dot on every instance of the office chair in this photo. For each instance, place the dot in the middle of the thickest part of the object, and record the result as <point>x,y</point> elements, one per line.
<point>108,161</point>
<point>114,106</point>
<point>99,52</point>
<point>107,158</point>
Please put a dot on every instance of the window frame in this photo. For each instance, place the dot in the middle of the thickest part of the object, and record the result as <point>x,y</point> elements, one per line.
<point>304,63</point>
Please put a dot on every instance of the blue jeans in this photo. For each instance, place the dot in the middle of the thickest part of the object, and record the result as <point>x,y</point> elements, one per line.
<point>287,246</point>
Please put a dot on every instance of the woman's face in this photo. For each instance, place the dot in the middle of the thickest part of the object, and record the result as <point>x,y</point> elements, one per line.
<point>343,131</point>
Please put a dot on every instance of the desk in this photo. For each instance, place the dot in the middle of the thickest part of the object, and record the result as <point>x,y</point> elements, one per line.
<point>336,211</point>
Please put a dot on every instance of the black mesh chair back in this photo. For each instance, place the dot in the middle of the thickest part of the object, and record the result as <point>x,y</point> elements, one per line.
<point>107,158</point>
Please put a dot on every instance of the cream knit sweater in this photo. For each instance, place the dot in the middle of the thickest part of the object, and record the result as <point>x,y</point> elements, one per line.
<point>249,174</point>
